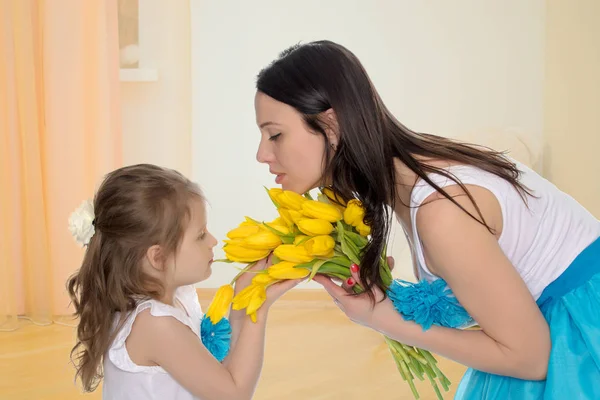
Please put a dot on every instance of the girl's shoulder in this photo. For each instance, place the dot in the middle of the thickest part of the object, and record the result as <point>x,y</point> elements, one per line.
<point>126,351</point>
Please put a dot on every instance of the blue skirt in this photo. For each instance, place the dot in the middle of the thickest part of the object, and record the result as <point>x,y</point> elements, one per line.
<point>571,305</point>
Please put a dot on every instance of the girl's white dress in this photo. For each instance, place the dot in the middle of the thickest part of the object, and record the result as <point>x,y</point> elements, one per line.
<point>124,380</point>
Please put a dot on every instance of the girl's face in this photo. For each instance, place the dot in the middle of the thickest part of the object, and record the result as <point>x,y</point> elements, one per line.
<point>193,259</point>
<point>294,153</point>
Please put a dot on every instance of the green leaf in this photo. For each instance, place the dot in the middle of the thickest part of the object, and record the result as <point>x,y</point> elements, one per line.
<point>304,240</point>
<point>340,232</point>
<point>330,268</point>
<point>224,260</point>
<point>334,275</point>
<point>347,227</point>
<point>285,238</point>
<point>274,202</point>
<point>255,221</point>
<point>275,231</point>
<point>341,260</point>
<point>356,248</point>
<point>307,265</point>
<point>339,253</point>
<point>349,251</point>
<point>385,273</point>
<point>357,239</point>
<point>323,199</point>
<point>357,289</point>
<point>315,269</point>
<point>308,196</point>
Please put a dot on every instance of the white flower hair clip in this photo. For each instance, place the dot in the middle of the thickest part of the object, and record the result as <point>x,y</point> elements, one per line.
<point>81,223</point>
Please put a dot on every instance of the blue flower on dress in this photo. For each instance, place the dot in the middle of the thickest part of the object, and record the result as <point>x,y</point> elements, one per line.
<point>428,304</point>
<point>216,338</point>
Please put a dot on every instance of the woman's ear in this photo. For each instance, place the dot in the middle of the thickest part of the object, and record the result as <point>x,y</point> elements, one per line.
<point>331,127</point>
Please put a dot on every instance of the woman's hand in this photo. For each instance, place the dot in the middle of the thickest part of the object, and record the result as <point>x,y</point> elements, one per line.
<point>358,308</point>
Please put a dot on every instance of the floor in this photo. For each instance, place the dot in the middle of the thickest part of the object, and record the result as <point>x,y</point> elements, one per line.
<point>331,359</point>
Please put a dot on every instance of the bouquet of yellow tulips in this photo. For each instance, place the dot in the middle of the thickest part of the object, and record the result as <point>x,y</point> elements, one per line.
<point>324,236</point>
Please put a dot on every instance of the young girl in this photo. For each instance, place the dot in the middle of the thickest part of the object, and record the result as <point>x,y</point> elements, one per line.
<point>139,316</point>
<point>522,257</point>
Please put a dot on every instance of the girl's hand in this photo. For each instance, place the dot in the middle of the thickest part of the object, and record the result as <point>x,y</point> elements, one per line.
<point>274,291</point>
<point>245,279</point>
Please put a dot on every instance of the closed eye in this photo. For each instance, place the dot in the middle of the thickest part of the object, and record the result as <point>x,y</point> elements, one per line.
<point>274,137</point>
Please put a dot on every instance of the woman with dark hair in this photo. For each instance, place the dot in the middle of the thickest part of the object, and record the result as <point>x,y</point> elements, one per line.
<point>521,257</point>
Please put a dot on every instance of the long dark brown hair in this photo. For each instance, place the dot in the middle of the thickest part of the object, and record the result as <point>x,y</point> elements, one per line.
<point>135,208</point>
<point>318,76</point>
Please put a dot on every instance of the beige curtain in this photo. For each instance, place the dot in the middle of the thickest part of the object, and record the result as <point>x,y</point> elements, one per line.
<point>59,134</point>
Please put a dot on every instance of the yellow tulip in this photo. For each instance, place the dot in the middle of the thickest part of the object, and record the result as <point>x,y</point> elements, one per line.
<point>314,227</point>
<point>331,254</point>
<point>263,279</point>
<point>334,197</point>
<point>243,231</point>
<point>234,242</point>
<point>363,229</point>
<point>279,221</point>
<point>248,222</point>
<point>253,317</point>
<point>324,199</point>
<point>220,303</point>
<point>286,270</point>
<point>279,228</point>
<point>273,193</point>
<point>320,245</point>
<point>300,238</point>
<point>291,253</point>
<point>291,200</point>
<point>296,216</point>
<point>259,295</point>
<point>237,253</point>
<point>263,240</point>
<point>354,213</point>
<point>285,216</point>
<point>320,210</point>
<point>242,299</point>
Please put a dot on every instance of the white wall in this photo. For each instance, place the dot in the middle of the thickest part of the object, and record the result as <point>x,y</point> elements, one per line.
<point>572,98</point>
<point>450,68</point>
<point>157,114</point>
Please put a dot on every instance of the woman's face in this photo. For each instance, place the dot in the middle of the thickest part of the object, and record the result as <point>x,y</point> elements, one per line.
<point>294,153</point>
